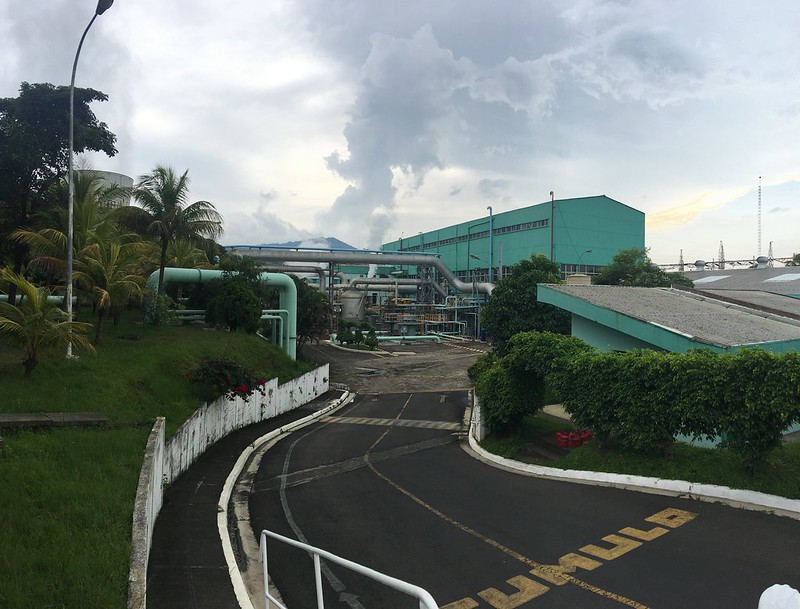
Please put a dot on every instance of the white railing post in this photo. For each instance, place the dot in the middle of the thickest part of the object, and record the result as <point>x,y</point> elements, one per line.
<point>318,581</point>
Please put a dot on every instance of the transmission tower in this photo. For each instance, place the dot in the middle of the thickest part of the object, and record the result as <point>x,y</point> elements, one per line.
<point>769,255</point>
<point>721,255</point>
<point>759,215</point>
<point>680,262</point>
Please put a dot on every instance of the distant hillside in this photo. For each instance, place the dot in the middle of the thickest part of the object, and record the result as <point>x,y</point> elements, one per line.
<point>319,242</point>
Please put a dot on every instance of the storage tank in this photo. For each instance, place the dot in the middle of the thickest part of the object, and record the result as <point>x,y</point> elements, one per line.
<point>353,302</point>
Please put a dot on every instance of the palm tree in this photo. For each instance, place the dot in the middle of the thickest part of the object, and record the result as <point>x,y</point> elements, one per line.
<point>93,223</point>
<point>36,322</point>
<point>183,254</point>
<point>166,215</point>
<point>110,271</point>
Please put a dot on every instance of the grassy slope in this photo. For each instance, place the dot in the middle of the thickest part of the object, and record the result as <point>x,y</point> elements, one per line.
<point>781,475</point>
<point>67,494</point>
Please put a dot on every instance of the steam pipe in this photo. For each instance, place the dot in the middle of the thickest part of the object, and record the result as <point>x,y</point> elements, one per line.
<point>285,284</point>
<point>288,269</point>
<point>383,281</point>
<point>355,257</point>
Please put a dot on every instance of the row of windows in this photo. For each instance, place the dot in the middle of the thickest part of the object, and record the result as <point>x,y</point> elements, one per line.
<point>480,235</point>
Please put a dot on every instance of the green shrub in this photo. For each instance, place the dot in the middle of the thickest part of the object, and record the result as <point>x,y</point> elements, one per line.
<point>762,398</point>
<point>235,305</point>
<point>503,400</point>
<point>371,340</point>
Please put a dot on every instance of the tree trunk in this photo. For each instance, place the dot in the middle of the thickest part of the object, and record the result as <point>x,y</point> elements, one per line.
<point>29,363</point>
<point>98,331</point>
<point>164,245</point>
<point>19,258</point>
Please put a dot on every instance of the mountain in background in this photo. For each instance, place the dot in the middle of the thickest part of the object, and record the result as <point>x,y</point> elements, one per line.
<point>318,242</point>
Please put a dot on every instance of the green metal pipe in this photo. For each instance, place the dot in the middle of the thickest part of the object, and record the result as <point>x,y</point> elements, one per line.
<point>285,284</point>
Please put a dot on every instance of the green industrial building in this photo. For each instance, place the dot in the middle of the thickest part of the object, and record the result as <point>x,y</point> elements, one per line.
<point>581,235</point>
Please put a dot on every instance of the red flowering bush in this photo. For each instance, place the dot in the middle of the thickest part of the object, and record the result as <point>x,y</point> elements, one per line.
<point>220,376</point>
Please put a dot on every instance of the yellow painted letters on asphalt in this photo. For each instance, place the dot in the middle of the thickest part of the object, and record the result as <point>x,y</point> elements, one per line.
<point>527,589</point>
<point>650,535</point>
<point>620,546</point>
<point>464,603</point>
<point>566,564</point>
<point>672,517</point>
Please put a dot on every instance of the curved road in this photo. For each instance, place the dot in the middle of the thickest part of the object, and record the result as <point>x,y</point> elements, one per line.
<point>387,483</point>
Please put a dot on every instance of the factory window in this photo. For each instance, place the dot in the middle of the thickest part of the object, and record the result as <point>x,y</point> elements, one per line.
<point>482,234</point>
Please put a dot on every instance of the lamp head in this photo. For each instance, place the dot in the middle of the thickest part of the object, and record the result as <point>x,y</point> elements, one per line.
<point>103,6</point>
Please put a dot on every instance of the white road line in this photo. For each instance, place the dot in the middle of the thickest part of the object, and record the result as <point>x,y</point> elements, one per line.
<point>394,422</point>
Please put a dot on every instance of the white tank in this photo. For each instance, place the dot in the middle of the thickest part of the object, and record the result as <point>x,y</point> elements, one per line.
<point>353,302</point>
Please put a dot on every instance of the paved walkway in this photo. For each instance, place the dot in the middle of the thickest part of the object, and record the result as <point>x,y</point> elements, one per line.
<point>187,569</point>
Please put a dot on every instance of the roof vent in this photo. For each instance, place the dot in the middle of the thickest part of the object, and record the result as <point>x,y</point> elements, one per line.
<point>699,265</point>
<point>579,279</point>
<point>762,262</point>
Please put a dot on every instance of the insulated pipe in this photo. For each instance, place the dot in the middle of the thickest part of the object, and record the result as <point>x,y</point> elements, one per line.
<point>401,282</point>
<point>383,287</point>
<point>273,318</point>
<point>356,257</point>
<point>288,269</point>
<point>285,284</point>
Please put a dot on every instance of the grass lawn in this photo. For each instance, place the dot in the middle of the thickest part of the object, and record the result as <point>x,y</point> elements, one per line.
<point>67,494</point>
<point>780,476</point>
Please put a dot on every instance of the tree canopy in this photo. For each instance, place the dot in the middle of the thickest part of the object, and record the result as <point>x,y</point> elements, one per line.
<point>513,308</point>
<point>313,313</point>
<point>633,267</point>
<point>34,143</point>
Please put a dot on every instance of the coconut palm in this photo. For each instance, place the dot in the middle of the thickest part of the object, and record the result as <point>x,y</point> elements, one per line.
<point>92,223</point>
<point>36,323</point>
<point>166,215</point>
<point>109,270</point>
<point>183,254</point>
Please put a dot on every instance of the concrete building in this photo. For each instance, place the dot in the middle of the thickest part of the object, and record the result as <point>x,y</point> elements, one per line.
<point>581,235</point>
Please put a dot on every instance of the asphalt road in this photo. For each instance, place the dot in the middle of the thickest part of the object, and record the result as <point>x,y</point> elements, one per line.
<point>385,482</point>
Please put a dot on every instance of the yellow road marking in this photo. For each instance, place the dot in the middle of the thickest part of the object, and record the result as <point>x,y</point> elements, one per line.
<point>672,517</point>
<point>464,603</point>
<point>569,563</point>
<point>527,590</point>
<point>650,535</point>
<point>619,546</point>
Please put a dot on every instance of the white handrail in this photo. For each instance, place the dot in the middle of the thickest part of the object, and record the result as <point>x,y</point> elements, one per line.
<point>425,599</point>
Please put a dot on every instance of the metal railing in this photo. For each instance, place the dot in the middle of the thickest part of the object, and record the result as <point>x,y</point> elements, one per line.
<point>425,599</point>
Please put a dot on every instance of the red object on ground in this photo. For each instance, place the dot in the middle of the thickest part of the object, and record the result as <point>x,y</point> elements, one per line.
<point>575,440</point>
<point>586,436</point>
<point>562,439</point>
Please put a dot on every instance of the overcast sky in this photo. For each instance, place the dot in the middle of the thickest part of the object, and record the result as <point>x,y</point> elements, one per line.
<point>368,120</point>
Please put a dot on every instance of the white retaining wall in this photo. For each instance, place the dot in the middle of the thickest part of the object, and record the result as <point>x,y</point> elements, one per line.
<point>165,461</point>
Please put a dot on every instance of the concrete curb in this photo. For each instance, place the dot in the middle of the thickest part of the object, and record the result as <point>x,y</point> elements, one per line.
<point>237,581</point>
<point>749,500</point>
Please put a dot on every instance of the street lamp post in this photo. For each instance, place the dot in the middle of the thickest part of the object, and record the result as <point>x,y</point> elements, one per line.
<point>491,241</point>
<point>488,264</point>
<point>102,7</point>
<point>581,258</point>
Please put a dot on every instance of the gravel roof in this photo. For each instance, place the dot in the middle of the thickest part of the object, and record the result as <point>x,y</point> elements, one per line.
<point>704,319</point>
<point>780,280</point>
<point>757,298</point>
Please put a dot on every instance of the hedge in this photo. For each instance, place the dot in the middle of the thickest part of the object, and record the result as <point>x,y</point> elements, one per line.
<point>643,399</point>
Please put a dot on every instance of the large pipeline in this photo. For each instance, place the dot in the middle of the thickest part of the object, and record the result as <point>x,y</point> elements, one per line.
<point>285,284</point>
<point>357,257</point>
<point>375,283</point>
